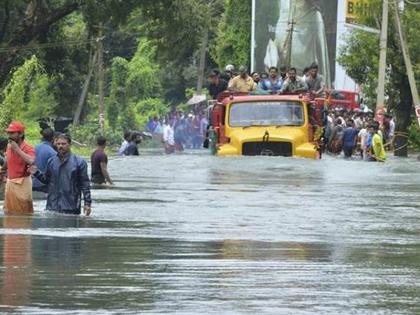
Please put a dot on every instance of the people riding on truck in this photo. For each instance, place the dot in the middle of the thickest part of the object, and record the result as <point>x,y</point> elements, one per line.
<point>293,83</point>
<point>243,82</point>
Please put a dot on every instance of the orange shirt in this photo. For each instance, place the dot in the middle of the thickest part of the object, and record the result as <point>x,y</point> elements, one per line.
<point>16,166</point>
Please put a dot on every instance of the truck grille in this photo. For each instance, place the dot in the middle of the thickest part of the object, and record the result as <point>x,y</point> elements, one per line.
<point>270,148</point>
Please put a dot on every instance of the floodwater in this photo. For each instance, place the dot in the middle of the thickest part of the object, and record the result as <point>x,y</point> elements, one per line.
<point>192,234</point>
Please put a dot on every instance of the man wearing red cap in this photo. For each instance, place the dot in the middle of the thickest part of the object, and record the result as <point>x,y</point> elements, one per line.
<point>19,156</point>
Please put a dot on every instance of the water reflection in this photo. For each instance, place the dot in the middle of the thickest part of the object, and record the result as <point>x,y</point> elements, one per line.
<point>17,262</point>
<point>281,251</point>
<point>59,252</point>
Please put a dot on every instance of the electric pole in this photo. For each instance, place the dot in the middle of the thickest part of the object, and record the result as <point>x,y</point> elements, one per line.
<point>82,98</point>
<point>101,98</point>
<point>202,63</point>
<point>407,59</point>
<point>380,99</point>
<point>290,38</point>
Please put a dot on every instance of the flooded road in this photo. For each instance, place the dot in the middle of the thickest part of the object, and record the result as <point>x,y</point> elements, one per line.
<point>193,234</point>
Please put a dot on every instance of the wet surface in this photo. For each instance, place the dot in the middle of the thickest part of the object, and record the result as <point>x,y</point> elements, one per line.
<point>195,234</point>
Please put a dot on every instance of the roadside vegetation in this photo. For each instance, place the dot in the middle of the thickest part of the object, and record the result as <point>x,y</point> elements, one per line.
<point>137,59</point>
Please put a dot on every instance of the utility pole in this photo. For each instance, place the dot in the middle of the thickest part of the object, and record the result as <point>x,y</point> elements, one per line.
<point>82,98</point>
<point>380,99</point>
<point>101,106</point>
<point>203,48</point>
<point>290,39</point>
<point>202,62</point>
<point>407,59</point>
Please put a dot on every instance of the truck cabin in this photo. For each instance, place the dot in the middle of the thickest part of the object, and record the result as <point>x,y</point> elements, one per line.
<point>275,124</point>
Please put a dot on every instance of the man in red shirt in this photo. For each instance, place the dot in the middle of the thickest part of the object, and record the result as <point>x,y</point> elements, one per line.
<point>19,156</point>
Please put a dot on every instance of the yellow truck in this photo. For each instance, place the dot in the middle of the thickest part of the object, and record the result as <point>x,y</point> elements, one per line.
<point>270,125</point>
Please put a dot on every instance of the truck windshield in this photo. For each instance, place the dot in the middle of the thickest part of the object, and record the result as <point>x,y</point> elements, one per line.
<point>279,113</point>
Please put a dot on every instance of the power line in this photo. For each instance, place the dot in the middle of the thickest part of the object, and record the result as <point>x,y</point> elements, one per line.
<point>46,45</point>
<point>36,46</point>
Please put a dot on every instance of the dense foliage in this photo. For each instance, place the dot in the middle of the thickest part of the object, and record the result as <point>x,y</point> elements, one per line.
<point>28,95</point>
<point>233,43</point>
<point>151,51</point>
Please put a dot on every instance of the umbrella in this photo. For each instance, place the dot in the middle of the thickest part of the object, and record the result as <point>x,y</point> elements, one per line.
<point>196,99</point>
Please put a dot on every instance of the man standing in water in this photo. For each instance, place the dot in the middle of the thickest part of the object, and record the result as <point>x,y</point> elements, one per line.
<point>377,153</point>
<point>20,156</point>
<point>349,139</point>
<point>168,137</point>
<point>99,163</point>
<point>44,151</point>
<point>3,147</point>
<point>67,178</point>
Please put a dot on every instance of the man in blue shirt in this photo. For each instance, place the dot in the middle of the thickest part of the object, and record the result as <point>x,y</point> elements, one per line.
<point>349,139</point>
<point>44,151</point>
<point>67,178</point>
<point>3,146</point>
<point>273,83</point>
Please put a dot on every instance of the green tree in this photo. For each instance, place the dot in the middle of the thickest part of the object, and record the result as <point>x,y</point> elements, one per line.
<point>136,88</point>
<point>150,107</point>
<point>144,74</point>
<point>177,29</point>
<point>233,41</point>
<point>41,99</point>
<point>360,59</point>
<point>117,102</point>
<point>28,94</point>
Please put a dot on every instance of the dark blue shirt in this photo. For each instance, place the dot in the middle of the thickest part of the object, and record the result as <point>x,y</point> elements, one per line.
<point>67,179</point>
<point>43,152</point>
<point>275,86</point>
<point>349,137</point>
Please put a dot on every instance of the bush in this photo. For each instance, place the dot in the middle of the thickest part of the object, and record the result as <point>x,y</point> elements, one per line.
<point>414,135</point>
<point>87,133</point>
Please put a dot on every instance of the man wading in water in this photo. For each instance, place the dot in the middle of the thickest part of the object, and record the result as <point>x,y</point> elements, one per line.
<point>99,164</point>
<point>19,157</point>
<point>67,178</point>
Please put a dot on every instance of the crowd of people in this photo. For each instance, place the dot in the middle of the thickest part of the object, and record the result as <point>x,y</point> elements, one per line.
<point>53,169</point>
<point>345,131</point>
<point>49,168</point>
<point>178,131</point>
<point>276,81</point>
<point>357,132</point>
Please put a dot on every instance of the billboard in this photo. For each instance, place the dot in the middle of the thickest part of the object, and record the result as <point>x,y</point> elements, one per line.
<point>356,8</point>
<point>351,10</point>
<point>295,33</point>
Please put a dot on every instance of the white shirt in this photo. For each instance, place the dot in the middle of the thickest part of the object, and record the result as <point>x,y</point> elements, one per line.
<point>363,133</point>
<point>358,122</point>
<point>391,128</point>
<point>123,147</point>
<point>168,135</point>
